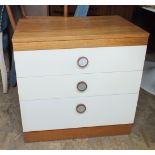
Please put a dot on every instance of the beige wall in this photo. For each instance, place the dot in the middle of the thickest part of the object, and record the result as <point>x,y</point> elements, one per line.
<point>36,10</point>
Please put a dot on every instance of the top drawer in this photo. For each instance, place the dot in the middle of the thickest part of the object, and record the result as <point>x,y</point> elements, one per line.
<point>79,60</point>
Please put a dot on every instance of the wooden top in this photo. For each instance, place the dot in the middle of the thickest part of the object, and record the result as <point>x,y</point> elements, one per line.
<point>36,33</point>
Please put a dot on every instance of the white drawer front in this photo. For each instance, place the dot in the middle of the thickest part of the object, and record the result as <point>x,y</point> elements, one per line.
<point>64,61</point>
<point>61,113</point>
<point>66,86</point>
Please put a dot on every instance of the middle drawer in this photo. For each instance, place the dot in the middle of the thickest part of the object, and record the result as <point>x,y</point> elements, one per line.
<point>46,87</point>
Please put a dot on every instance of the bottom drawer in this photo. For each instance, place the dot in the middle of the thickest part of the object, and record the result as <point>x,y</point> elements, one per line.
<point>62,113</point>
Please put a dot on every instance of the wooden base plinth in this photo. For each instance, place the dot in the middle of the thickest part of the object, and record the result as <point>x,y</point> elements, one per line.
<point>60,134</point>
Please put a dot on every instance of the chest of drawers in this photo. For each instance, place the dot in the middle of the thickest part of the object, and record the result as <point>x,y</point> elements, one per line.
<point>78,77</point>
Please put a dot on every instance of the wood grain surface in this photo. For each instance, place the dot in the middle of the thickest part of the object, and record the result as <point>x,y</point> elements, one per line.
<point>77,133</point>
<point>75,32</point>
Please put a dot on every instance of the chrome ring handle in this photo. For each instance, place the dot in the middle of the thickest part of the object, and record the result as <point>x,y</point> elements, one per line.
<point>80,108</point>
<point>82,62</point>
<point>81,86</point>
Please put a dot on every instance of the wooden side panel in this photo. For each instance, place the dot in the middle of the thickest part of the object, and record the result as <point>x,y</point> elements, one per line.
<point>77,133</point>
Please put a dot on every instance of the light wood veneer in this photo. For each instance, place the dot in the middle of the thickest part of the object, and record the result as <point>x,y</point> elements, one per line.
<point>34,33</point>
<point>36,136</point>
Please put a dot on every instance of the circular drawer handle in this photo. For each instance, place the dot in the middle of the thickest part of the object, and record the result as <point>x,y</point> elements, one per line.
<point>82,62</point>
<point>80,108</point>
<point>81,86</point>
